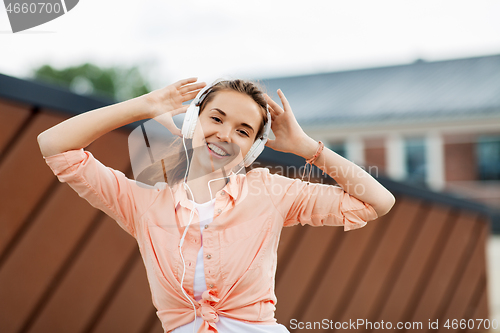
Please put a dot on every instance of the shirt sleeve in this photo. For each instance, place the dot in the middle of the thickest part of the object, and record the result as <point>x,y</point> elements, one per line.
<point>109,190</point>
<point>316,204</point>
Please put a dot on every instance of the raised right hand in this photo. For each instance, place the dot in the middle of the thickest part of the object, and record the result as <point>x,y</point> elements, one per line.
<point>167,102</point>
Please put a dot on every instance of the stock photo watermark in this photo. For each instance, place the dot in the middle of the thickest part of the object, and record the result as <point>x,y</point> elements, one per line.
<point>364,324</point>
<point>320,174</point>
<point>26,14</point>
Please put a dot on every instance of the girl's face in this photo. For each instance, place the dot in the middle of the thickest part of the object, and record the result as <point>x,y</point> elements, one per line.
<point>226,129</point>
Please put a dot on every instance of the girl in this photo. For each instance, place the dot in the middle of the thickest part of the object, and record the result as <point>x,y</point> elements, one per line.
<point>223,269</point>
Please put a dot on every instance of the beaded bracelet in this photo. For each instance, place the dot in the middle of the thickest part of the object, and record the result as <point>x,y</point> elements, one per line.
<point>312,160</point>
<point>320,149</point>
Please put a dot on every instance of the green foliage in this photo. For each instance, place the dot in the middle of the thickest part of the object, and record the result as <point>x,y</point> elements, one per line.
<point>115,82</point>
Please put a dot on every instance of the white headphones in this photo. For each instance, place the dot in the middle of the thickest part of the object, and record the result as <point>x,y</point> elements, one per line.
<point>193,112</point>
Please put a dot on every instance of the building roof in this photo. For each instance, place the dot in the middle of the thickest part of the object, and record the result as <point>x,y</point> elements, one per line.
<point>43,95</point>
<point>449,89</point>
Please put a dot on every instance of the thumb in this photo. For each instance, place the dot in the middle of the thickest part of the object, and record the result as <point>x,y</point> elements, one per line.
<point>180,110</point>
<point>270,143</point>
<point>167,121</point>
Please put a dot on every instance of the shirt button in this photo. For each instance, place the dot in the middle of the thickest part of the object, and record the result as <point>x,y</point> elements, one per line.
<point>206,226</point>
<point>223,192</point>
<point>219,210</point>
<point>209,256</point>
<point>211,285</point>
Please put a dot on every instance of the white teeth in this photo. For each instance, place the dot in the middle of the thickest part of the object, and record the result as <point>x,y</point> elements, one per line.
<point>216,149</point>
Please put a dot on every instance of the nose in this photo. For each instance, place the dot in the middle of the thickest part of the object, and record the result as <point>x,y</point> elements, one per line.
<point>223,133</point>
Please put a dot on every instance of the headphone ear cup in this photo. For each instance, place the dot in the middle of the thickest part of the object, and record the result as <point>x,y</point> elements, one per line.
<point>192,113</point>
<point>259,144</point>
<point>190,120</point>
<point>254,152</point>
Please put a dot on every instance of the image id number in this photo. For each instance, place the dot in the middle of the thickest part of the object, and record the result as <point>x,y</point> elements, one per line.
<point>40,7</point>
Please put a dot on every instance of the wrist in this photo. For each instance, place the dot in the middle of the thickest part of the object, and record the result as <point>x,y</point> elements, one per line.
<point>307,148</point>
<point>147,107</point>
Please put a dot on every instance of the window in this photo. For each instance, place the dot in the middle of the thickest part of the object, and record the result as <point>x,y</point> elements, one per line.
<point>415,161</point>
<point>488,157</point>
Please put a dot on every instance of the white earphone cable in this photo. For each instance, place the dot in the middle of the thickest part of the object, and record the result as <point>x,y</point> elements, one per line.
<point>190,220</point>
<point>184,235</point>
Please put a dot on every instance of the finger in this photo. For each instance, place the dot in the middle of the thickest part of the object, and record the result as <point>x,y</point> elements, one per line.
<point>275,106</point>
<point>190,96</point>
<point>180,110</point>
<point>186,89</point>
<point>268,99</point>
<point>172,128</point>
<point>167,121</point>
<point>270,108</point>
<point>177,132</point>
<point>183,82</point>
<point>273,113</point>
<point>284,101</point>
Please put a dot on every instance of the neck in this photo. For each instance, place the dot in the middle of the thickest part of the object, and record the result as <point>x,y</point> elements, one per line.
<point>199,185</point>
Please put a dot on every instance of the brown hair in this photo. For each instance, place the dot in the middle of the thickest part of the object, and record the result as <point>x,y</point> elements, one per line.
<point>173,166</point>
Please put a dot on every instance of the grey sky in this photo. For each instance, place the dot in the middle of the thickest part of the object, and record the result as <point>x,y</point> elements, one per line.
<point>256,39</point>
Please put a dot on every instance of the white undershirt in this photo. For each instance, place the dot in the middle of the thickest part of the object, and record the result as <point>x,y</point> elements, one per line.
<point>224,325</point>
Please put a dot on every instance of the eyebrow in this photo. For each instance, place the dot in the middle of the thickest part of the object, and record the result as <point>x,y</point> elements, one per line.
<point>242,124</point>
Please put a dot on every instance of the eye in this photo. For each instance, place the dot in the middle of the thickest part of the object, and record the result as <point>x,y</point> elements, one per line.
<point>244,133</point>
<point>217,119</point>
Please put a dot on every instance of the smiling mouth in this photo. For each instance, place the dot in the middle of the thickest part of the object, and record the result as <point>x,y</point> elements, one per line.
<point>216,150</point>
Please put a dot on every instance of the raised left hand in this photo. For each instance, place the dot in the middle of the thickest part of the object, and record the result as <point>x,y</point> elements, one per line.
<point>289,136</point>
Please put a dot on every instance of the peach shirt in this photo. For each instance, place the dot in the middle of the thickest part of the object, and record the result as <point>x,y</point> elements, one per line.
<point>240,245</point>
